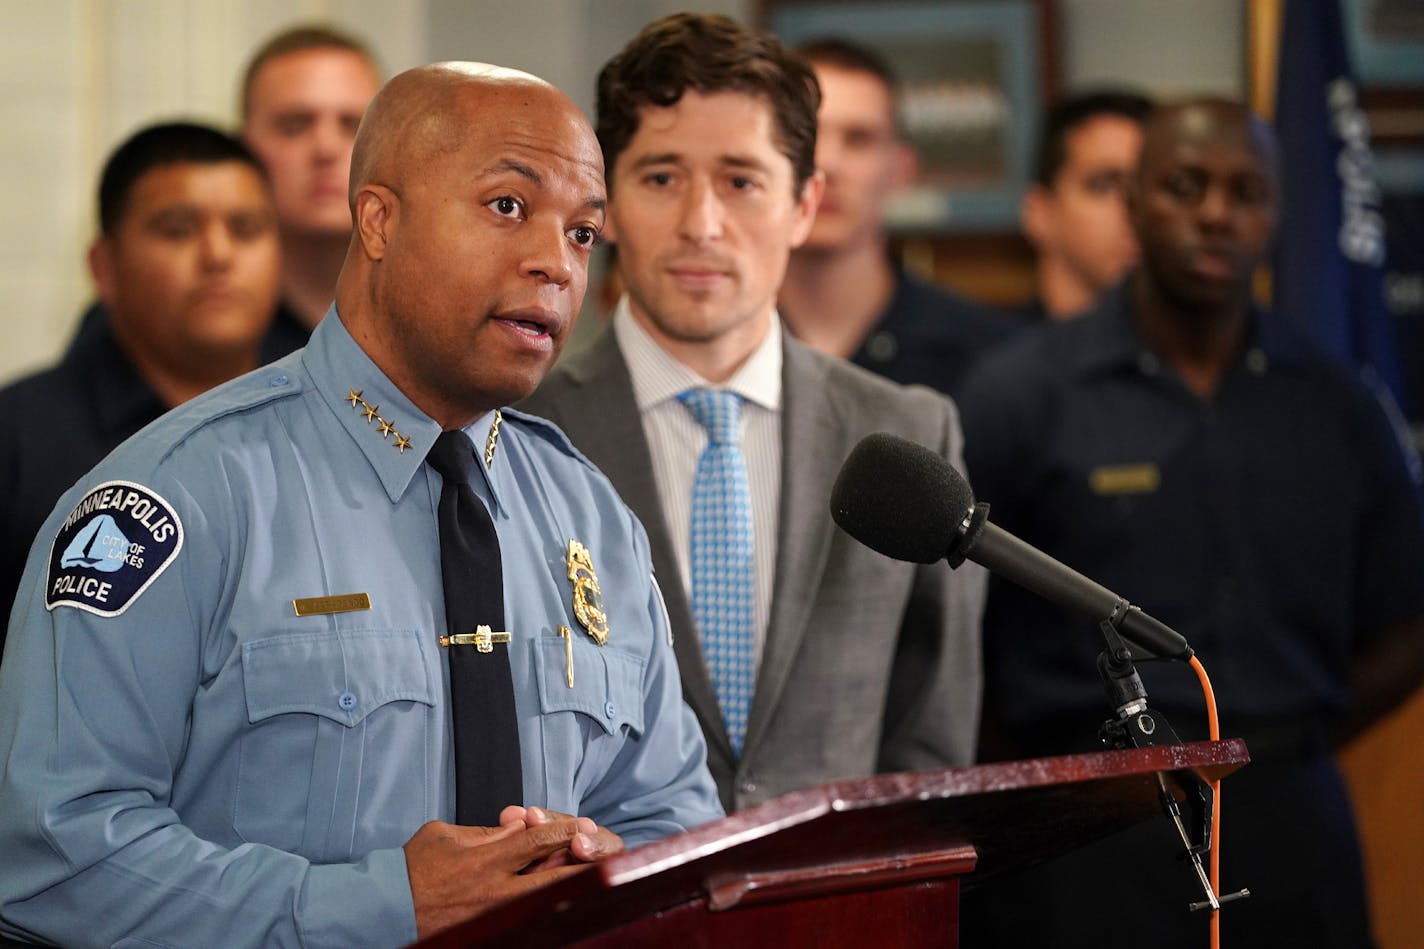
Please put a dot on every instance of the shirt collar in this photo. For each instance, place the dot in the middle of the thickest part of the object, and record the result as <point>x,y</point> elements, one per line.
<point>366,404</point>
<point>657,376</point>
<point>125,401</point>
<point>1110,340</point>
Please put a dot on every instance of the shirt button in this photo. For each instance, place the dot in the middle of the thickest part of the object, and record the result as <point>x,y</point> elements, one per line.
<point>882,347</point>
<point>748,787</point>
<point>276,381</point>
<point>347,701</point>
<point>609,710</point>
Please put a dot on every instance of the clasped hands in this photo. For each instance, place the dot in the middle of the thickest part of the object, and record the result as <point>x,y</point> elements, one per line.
<point>458,872</point>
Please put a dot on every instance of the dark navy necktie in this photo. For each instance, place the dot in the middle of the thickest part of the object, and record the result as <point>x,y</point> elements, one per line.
<point>488,775</point>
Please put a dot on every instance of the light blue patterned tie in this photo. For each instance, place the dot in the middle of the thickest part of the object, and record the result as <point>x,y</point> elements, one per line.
<point>723,575</point>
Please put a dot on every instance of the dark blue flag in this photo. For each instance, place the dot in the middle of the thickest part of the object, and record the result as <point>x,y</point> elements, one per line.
<point>1329,271</point>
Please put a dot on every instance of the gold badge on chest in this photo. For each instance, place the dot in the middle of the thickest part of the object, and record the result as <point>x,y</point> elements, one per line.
<point>588,598</point>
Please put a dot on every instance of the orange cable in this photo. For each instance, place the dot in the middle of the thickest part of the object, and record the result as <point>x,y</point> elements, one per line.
<point>1214,733</point>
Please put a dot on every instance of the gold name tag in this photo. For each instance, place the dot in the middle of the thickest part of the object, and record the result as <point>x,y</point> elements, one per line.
<point>318,605</point>
<point>1125,479</point>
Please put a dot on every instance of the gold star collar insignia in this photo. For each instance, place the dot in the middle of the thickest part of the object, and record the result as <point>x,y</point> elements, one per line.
<point>387,428</point>
<point>372,413</point>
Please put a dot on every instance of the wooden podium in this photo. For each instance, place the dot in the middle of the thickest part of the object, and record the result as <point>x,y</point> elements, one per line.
<point>876,862</point>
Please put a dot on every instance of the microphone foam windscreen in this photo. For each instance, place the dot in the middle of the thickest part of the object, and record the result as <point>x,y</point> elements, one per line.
<point>900,499</point>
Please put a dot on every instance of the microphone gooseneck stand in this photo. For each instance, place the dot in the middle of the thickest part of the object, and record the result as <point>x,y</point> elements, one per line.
<point>1137,725</point>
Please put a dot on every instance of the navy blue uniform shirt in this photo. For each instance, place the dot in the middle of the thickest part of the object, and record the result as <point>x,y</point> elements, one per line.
<point>1274,525</point>
<point>61,422</point>
<point>929,336</point>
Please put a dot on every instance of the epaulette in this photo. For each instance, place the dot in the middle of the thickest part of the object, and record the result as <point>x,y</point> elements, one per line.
<point>279,380</point>
<point>549,433</point>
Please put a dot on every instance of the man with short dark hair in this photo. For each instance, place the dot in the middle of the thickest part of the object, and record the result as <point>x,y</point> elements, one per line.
<point>843,294</point>
<point>186,266</point>
<point>806,657</point>
<point>1073,212</point>
<point>277,642</point>
<point>302,98</point>
<point>1196,454</point>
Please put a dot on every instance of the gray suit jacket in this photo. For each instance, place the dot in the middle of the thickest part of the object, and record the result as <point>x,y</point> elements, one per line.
<point>869,665</point>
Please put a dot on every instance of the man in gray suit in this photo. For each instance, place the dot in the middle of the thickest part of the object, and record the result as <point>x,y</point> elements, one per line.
<point>806,657</point>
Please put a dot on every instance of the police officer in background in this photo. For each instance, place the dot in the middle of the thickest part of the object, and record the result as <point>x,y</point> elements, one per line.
<point>232,678</point>
<point>302,98</point>
<point>844,294</point>
<point>1185,447</point>
<point>1074,213</point>
<point>186,267</point>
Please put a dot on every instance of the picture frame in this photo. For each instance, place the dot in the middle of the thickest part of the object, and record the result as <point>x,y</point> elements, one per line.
<point>973,76</point>
<point>1386,42</point>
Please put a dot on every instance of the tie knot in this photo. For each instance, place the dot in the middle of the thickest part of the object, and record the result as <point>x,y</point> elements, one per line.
<point>719,411</point>
<point>453,455</point>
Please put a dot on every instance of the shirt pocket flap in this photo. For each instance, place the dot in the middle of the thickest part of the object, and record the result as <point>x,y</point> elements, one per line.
<point>607,686</point>
<point>340,675</point>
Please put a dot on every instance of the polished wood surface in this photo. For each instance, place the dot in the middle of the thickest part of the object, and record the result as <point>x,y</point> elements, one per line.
<point>1385,771</point>
<point>851,852</point>
<point>921,915</point>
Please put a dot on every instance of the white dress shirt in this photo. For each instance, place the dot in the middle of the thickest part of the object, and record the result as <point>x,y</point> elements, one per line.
<point>676,441</point>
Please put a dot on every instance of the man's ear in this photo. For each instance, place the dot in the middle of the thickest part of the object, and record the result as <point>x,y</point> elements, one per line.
<point>906,166</point>
<point>806,205</point>
<point>1036,215</point>
<point>101,268</point>
<point>610,229</point>
<point>1132,199</point>
<point>377,214</point>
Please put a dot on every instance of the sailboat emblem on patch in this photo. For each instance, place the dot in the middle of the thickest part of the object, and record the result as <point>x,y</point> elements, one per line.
<point>100,545</point>
<point>110,548</point>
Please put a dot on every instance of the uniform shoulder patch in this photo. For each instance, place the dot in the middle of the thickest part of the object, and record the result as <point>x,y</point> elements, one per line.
<point>111,547</point>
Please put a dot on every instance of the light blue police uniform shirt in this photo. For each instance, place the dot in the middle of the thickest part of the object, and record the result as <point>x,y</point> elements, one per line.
<point>188,762</point>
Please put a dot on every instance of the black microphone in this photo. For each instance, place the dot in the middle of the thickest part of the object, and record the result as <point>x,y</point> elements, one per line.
<point>906,502</point>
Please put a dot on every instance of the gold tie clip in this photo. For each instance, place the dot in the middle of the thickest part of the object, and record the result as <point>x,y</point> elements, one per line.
<point>483,639</point>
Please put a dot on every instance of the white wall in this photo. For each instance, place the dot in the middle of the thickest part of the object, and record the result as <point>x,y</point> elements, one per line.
<point>42,167</point>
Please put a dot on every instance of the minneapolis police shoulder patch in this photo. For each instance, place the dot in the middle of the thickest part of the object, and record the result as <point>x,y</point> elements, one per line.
<point>111,547</point>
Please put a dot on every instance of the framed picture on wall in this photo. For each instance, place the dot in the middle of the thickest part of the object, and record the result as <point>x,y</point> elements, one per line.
<point>1386,39</point>
<point>971,77</point>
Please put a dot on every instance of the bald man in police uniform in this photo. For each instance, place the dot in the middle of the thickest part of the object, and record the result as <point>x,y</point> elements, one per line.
<point>191,758</point>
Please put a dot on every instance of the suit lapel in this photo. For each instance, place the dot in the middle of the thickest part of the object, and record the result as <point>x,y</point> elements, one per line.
<point>601,416</point>
<point>812,450</point>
